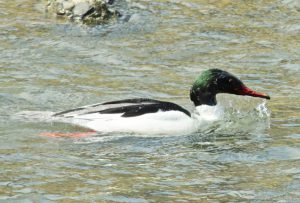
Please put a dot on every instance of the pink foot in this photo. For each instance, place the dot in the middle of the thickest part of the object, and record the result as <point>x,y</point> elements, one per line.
<point>72,135</point>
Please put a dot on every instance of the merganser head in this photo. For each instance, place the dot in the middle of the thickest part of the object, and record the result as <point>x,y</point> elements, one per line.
<point>214,81</point>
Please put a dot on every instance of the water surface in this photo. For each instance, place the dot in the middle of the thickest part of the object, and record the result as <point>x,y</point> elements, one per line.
<point>156,50</point>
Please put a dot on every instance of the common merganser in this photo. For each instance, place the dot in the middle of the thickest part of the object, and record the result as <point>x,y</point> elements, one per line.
<point>149,116</point>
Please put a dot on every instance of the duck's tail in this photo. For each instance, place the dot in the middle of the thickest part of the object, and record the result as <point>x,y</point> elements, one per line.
<point>47,116</point>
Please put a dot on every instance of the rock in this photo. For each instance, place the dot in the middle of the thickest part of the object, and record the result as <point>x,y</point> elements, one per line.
<point>91,12</point>
<point>68,5</point>
<point>80,9</point>
<point>60,9</point>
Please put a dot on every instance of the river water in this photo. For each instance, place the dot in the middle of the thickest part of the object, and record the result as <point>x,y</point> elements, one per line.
<point>156,50</point>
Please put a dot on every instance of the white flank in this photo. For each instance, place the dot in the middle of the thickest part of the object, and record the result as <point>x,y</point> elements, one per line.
<point>169,122</point>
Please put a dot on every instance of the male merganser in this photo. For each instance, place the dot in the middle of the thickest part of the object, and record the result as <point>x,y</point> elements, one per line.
<point>149,116</point>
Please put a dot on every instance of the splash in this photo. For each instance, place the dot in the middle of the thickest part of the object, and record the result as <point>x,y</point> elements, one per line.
<point>233,119</point>
<point>263,111</point>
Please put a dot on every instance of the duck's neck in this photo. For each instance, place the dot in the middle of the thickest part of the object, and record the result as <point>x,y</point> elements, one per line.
<point>203,96</point>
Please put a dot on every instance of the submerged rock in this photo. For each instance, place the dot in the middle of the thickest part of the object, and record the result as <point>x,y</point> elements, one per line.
<point>91,12</point>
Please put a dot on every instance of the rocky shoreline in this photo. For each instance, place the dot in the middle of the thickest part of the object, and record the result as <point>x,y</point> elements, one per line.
<point>90,12</point>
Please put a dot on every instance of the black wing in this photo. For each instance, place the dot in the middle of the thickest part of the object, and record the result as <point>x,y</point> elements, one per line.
<point>129,108</point>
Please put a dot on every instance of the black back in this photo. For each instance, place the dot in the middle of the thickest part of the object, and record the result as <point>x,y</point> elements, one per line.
<point>142,106</point>
<point>127,107</point>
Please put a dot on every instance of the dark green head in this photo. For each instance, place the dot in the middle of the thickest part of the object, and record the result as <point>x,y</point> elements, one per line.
<point>214,81</point>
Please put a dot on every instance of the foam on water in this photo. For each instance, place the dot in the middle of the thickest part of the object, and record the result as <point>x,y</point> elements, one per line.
<point>263,111</point>
<point>230,119</point>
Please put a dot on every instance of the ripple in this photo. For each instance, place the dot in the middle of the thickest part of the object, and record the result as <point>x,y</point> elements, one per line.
<point>283,153</point>
<point>247,150</point>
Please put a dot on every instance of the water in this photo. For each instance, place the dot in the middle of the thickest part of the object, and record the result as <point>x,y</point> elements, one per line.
<point>155,51</point>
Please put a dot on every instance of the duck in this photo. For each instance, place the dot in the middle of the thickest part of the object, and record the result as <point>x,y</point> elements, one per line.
<point>151,116</point>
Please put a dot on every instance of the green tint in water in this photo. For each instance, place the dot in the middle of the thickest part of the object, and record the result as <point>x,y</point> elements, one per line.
<point>47,64</point>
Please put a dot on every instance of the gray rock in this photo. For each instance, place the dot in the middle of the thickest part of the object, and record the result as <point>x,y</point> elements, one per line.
<point>80,9</point>
<point>90,12</point>
<point>59,9</point>
<point>68,5</point>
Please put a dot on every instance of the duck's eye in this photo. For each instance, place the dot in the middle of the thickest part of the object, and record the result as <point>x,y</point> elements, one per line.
<point>232,84</point>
